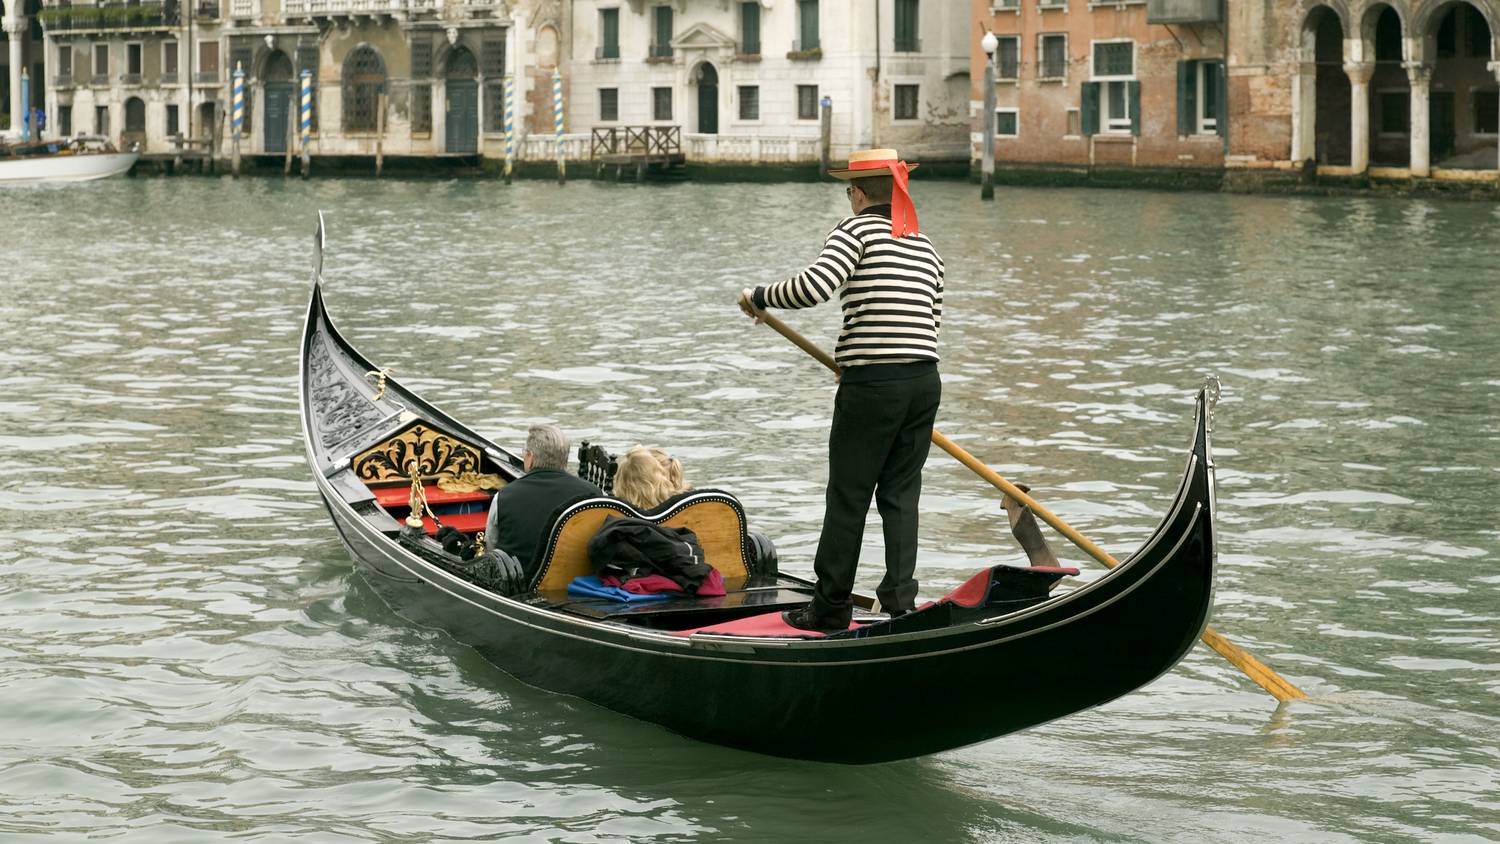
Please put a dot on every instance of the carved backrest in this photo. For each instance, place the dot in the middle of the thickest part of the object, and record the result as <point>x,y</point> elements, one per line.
<point>716,518</point>
<point>437,455</point>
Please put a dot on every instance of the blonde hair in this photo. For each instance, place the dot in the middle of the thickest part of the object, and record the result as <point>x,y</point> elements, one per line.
<point>642,480</point>
<point>674,470</point>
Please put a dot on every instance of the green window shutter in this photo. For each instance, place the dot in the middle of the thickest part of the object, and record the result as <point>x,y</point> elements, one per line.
<point>1133,92</point>
<point>1222,116</point>
<point>750,28</point>
<point>809,24</point>
<point>1187,91</point>
<point>1088,108</point>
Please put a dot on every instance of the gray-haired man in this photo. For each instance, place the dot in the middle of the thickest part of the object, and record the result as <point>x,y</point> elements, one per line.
<point>522,511</point>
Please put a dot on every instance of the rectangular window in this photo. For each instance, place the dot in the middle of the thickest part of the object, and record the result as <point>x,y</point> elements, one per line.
<point>421,109</point>
<point>609,34</point>
<point>1116,115</point>
<point>750,28</point>
<point>172,124</point>
<point>1208,98</point>
<point>421,58</point>
<point>101,61</point>
<point>494,107</point>
<point>906,102</point>
<point>101,120</point>
<point>609,103</point>
<point>492,58</point>
<point>661,103</point>
<point>1007,123</point>
<point>661,39</point>
<point>807,102</point>
<point>907,40</point>
<point>1114,60</point>
<point>1486,112</point>
<point>1008,57</point>
<point>65,60</point>
<point>1394,117</point>
<point>1074,128</point>
<point>208,61</point>
<point>65,120</point>
<point>133,60</point>
<point>749,102</point>
<point>1054,64</point>
<point>169,61</point>
<point>807,26</point>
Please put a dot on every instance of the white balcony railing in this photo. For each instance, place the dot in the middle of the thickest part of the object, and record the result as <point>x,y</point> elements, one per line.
<point>244,8</point>
<point>751,149</point>
<point>338,8</point>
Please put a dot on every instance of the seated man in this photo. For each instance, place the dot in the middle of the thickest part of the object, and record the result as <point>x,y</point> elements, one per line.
<point>520,511</point>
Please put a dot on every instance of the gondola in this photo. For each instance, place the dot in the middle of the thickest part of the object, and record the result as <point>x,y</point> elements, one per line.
<point>1004,652</point>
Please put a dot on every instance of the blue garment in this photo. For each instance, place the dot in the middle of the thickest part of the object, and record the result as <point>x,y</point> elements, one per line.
<point>588,586</point>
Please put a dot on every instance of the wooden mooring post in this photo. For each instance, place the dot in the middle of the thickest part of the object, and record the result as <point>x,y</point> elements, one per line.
<point>379,133</point>
<point>291,136</point>
<point>825,143</point>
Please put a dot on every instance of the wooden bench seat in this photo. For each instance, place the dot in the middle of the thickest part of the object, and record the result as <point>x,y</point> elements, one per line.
<point>715,517</point>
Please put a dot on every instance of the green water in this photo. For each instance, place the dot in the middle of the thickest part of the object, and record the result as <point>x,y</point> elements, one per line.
<point>188,656</point>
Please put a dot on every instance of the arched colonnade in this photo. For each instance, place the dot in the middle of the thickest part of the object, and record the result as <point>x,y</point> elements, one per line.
<point>1403,83</point>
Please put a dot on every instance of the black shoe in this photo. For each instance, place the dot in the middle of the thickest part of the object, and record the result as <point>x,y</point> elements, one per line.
<point>897,613</point>
<point>806,618</point>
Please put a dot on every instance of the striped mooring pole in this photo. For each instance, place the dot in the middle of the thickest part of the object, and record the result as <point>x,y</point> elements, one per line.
<point>306,118</point>
<point>557,125</point>
<point>510,125</point>
<point>237,119</point>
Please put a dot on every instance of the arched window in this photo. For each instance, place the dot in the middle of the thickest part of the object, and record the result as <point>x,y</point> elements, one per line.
<point>461,65</point>
<point>135,115</point>
<point>364,79</point>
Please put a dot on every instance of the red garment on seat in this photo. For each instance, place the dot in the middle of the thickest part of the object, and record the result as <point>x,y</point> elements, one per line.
<point>713,585</point>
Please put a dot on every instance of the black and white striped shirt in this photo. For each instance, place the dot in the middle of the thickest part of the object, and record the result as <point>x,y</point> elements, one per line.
<point>890,289</point>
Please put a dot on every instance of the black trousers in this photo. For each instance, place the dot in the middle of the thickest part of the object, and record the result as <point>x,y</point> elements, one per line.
<point>882,428</point>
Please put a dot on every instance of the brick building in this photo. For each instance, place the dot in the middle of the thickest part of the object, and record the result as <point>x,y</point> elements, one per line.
<point>1394,88</point>
<point>1105,83</point>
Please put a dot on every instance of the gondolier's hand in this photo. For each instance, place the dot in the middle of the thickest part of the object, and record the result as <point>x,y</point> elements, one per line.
<point>747,304</point>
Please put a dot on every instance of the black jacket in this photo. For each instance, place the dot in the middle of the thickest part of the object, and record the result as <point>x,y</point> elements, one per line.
<point>522,511</point>
<point>629,548</point>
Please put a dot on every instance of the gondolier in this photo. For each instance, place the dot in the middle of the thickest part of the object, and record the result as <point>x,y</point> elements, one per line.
<point>889,280</point>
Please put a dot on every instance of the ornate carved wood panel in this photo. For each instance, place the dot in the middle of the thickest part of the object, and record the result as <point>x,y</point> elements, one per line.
<point>436,455</point>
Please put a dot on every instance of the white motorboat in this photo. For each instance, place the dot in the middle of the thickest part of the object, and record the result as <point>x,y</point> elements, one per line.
<point>79,159</point>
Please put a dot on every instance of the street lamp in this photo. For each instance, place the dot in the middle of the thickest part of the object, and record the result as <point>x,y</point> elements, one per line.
<point>989,43</point>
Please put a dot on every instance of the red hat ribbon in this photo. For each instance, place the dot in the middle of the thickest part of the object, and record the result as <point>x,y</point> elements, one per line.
<point>903,211</point>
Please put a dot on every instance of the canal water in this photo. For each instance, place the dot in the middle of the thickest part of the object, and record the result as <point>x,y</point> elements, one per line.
<point>188,655</point>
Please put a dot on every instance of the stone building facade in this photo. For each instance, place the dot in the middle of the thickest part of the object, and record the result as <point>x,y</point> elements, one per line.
<point>733,73</point>
<point>1391,88</point>
<point>418,77</point>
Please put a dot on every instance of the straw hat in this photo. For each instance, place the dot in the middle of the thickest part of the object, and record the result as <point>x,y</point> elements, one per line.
<point>869,162</point>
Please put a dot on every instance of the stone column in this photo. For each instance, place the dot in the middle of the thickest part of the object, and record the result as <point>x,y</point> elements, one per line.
<point>1304,107</point>
<point>1421,78</point>
<point>15,27</point>
<point>1359,114</point>
<point>1495,69</point>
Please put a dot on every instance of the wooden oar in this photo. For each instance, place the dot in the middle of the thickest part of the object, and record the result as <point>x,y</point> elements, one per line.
<point>1259,672</point>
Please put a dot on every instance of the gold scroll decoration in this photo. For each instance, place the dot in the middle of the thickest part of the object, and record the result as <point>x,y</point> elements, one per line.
<point>436,456</point>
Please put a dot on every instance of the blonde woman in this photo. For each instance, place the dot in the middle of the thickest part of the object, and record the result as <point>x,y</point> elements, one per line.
<point>641,480</point>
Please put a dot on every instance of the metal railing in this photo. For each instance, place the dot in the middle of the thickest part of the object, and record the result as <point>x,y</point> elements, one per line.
<point>206,10</point>
<point>109,16</point>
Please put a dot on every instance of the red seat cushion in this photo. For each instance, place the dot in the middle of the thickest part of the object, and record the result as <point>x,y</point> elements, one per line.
<point>769,624</point>
<point>400,496</point>
<point>462,522</point>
